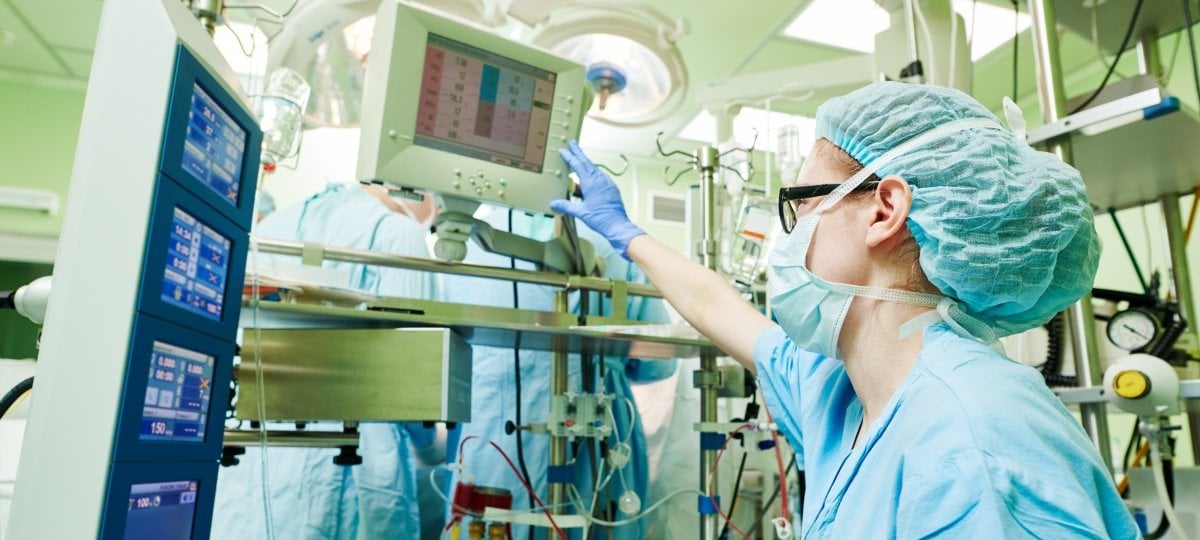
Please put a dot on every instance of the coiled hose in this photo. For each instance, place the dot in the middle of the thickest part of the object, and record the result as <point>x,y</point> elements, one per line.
<point>1056,331</point>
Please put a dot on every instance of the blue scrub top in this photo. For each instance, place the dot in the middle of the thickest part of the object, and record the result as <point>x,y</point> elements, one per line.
<point>971,445</point>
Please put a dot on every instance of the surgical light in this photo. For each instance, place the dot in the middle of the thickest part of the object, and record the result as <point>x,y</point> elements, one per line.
<point>633,65</point>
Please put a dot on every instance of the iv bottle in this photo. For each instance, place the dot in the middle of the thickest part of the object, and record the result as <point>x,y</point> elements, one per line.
<point>280,113</point>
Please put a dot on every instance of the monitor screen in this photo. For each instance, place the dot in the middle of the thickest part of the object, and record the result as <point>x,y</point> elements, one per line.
<point>196,268</point>
<point>214,147</point>
<point>482,105</point>
<point>178,392</point>
<point>161,510</point>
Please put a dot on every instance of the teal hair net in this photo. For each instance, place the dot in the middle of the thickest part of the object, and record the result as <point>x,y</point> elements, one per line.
<point>1003,229</point>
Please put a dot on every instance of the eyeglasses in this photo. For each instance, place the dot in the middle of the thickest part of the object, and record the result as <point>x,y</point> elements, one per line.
<point>788,196</point>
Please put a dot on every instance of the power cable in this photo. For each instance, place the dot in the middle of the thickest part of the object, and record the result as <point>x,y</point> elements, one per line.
<point>512,263</point>
<point>1137,8</point>
<point>14,394</point>
<point>733,500</point>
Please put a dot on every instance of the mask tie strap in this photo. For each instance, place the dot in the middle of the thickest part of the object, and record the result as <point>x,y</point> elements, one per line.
<point>891,155</point>
<point>959,321</point>
<point>919,323</point>
<point>1014,118</point>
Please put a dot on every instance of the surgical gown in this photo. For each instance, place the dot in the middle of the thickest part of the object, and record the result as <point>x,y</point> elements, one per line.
<point>310,496</point>
<point>494,397</point>
<point>971,445</point>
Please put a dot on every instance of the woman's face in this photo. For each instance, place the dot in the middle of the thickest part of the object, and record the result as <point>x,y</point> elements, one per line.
<point>838,251</point>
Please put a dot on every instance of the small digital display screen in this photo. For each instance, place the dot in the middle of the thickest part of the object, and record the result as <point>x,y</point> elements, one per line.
<point>214,147</point>
<point>178,393</point>
<point>161,510</point>
<point>196,268</point>
<point>482,105</point>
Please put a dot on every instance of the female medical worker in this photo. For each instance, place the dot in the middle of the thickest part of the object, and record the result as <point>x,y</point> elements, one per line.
<point>893,282</point>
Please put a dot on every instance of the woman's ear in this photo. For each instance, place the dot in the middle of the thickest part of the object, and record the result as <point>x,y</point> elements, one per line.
<point>890,206</point>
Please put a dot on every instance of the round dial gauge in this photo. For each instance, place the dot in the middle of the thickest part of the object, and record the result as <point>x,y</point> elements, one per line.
<point>1132,329</point>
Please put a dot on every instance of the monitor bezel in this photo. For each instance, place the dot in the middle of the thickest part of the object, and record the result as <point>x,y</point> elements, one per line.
<point>125,475</point>
<point>129,446</point>
<point>170,195</point>
<point>391,101</point>
<point>189,72</point>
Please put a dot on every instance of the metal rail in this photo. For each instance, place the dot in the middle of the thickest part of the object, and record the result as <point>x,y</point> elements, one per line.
<point>567,282</point>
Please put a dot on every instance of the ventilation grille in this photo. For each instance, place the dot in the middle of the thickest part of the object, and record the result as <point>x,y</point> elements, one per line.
<point>668,208</point>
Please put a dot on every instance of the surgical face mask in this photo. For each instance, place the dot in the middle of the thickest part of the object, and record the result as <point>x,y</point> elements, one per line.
<point>811,310</point>
<point>808,310</point>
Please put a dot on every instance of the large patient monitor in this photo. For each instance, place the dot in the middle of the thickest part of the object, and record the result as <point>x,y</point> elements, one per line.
<point>453,108</point>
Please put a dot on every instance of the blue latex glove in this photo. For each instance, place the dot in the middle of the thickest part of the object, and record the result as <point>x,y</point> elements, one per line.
<point>601,208</point>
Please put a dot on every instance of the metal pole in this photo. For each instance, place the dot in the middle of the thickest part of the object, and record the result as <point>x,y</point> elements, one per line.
<point>1177,244</point>
<point>581,283</point>
<point>558,387</point>
<point>707,161</point>
<point>1079,317</point>
<point>304,439</point>
<point>910,20</point>
<point>1150,63</point>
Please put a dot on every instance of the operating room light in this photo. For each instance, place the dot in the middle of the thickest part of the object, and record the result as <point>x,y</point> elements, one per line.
<point>647,81</point>
<point>633,64</point>
<point>852,24</point>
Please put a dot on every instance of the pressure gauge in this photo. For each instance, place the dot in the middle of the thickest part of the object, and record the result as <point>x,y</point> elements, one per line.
<point>1132,329</point>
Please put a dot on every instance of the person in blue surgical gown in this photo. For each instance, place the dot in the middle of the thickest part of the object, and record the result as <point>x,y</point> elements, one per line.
<point>310,496</point>
<point>920,230</point>
<point>493,398</point>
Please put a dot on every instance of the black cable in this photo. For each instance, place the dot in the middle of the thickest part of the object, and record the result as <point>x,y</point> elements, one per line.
<point>512,263</point>
<point>8,299</point>
<point>1187,17</point>
<point>1112,68</point>
<point>1133,443</point>
<point>737,485</point>
<point>1112,213</point>
<point>10,398</point>
<point>1056,335</point>
<point>1016,48</point>
<point>787,471</point>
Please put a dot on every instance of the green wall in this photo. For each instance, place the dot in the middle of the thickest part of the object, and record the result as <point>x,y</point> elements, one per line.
<point>39,127</point>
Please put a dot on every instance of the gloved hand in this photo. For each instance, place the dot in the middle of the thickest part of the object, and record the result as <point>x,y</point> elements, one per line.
<point>601,208</point>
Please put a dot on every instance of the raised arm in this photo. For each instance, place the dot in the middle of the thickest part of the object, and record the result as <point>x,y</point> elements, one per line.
<point>704,298</point>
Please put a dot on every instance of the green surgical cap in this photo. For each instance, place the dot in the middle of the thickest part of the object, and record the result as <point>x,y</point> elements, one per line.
<point>1003,229</point>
